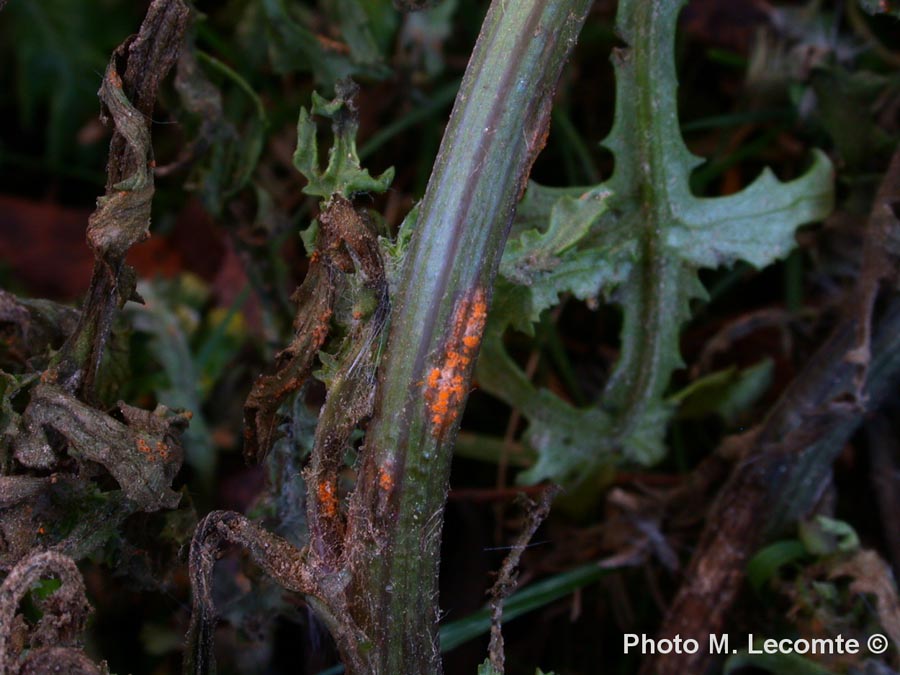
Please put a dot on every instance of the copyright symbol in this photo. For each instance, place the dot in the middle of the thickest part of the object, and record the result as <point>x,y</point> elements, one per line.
<point>877,643</point>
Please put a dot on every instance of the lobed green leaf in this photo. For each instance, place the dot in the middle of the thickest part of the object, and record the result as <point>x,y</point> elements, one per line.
<point>343,174</point>
<point>638,239</point>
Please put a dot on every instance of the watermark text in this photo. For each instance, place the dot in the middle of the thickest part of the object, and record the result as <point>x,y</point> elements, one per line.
<point>640,643</point>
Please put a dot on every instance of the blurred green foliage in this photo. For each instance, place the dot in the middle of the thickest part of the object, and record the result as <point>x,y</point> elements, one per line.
<point>52,56</point>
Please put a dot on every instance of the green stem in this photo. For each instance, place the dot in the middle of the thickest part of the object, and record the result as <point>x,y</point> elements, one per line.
<point>496,129</point>
<point>655,296</point>
<point>652,171</point>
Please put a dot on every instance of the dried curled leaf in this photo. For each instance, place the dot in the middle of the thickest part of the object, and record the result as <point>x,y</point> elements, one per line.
<point>146,59</point>
<point>872,575</point>
<point>122,218</point>
<point>345,243</point>
<point>880,266</point>
<point>229,139</point>
<point>60,660</point>
<point>59,430</point>
<point>54,641</point>
<point>315,301</point>
<point>143,453</point>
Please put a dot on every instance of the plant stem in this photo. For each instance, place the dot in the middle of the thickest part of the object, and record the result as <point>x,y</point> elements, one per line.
<point>498,125</point>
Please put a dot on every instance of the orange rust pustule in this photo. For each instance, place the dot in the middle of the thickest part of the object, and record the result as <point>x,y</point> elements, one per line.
<point>160,452</point>
<point>326,491</point>
<point>445,385</point>
<point>385,480</point>
<point>320,332</point>
<point>114,78</point>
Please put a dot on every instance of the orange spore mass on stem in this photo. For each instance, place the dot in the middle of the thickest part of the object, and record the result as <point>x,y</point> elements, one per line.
<point>445,386</point>
<point>162,450</point>
<point>159,452</point>
<point>385,480</point>
<point>326,493</point>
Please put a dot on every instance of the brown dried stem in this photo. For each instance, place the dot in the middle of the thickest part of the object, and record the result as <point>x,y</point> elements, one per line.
<point>277,557</point>
<point>283,562</point>
<point>507,577</point>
